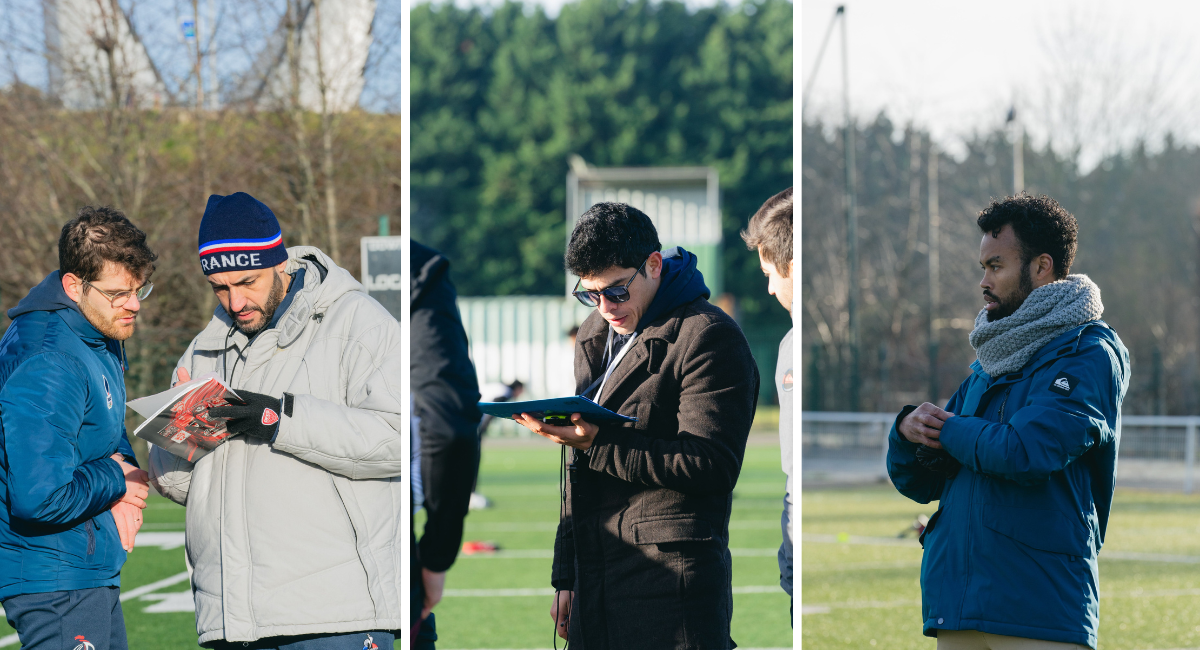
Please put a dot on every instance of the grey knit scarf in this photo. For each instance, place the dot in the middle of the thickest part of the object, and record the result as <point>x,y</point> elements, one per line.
<point>1006,345</point>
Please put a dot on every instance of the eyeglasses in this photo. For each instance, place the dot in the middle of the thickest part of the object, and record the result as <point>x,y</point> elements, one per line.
<point>614,294</point>
<point>119,298</point>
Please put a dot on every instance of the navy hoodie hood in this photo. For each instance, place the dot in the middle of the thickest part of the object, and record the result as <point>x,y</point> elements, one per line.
<point>48,295</point>
<point>681,283</point>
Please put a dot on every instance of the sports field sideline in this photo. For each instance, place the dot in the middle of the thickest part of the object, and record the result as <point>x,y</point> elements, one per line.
<point>502,601</point>
<point>492,601</point>
<point>862,590</point>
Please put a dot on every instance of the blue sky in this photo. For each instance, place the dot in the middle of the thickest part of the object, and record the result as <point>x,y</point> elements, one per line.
<point>242,27</point>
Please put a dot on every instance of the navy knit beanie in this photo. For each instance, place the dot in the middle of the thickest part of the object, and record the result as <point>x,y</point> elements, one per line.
<point>239,233</point>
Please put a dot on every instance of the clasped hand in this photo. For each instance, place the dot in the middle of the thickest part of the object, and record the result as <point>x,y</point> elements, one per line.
<point>127,511</point>
<point>924,425</point>
<point>579,434</point>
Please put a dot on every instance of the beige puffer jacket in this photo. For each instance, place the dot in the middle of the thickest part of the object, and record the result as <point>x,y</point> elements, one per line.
<point>302,535</point>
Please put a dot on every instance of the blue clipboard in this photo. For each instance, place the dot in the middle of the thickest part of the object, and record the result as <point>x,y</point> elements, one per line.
<point>558,406</point>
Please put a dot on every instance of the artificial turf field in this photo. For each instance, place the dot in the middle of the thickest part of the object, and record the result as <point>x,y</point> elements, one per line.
<point>478,611</point>
<point>482,608</point>
<point>146,567</point>
<point>865,593</point>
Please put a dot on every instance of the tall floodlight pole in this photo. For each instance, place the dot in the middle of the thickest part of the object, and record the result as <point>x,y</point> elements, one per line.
<point>1018,140</point>
<point>851,220</point>
<point>934,261</point>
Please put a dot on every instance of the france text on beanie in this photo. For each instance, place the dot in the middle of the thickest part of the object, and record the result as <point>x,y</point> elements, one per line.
<point>239,233</point>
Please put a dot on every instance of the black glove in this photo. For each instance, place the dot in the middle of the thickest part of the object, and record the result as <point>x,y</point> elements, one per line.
<point>938,461</point>
<point>255,414</point>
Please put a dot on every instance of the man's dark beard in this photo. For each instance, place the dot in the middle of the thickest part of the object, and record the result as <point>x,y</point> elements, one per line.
<point>274,298</point>
<point>1008,306</point>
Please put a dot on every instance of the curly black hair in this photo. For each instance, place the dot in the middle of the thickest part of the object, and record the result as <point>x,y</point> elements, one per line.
<point>608,235</point>
<point>1041,225</point>
<point>99,235</point>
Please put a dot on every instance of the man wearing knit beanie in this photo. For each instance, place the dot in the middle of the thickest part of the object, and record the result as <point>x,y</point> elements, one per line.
<point>293,525</point>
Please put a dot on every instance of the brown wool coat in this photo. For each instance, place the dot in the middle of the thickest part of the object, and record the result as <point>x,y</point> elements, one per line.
<point>644,537</point>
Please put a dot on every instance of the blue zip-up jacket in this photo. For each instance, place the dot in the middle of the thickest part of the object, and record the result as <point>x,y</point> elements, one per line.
<point>1012,548</point>
<point>62,414</point>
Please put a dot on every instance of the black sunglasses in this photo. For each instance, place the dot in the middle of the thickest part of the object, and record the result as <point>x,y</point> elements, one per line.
<point>614,294</point>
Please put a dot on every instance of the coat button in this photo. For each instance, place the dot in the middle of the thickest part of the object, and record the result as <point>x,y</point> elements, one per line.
<point>941,620</point>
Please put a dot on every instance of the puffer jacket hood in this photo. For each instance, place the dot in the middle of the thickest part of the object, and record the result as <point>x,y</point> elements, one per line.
<point>681,283</point>
<point>48,295</point>
<point>324,496</point>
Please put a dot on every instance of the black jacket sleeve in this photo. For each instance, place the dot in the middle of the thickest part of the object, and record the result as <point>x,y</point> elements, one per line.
<point>445,394</point>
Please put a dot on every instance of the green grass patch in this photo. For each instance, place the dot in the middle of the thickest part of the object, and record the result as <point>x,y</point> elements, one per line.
<point>522,482</point>
<point>870,595</point>
<point>147,630</point>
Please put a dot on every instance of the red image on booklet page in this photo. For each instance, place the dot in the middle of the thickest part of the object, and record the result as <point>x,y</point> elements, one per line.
<point>190,423</point>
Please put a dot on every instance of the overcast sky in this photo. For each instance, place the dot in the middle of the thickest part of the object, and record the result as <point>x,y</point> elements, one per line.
<point>1115,70</point>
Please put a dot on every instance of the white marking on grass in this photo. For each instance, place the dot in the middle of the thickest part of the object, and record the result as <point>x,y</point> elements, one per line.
<point>538,526</point>
<point>1149,557</point>
<point>496,593</point>
<point>875,604</point>
<point>176,601</point>
<point>861,604</point>
<point>165,541</point>
<point>525,554</point>
<point>864,566</point>
<point>549,591</point>
<point>155,586</point>
<point>13,639</point>
<point>819,538</point>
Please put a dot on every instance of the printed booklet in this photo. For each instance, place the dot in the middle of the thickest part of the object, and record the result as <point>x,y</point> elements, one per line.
<point>177,421</point>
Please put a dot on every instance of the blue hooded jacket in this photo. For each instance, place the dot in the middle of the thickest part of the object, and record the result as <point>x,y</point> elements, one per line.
<point>680,283</point>
<point>62,414</point>
<point>1012,548</point>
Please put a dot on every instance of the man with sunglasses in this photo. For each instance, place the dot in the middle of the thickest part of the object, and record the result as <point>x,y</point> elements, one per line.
<point>641,558</point>
<point>71,495</point>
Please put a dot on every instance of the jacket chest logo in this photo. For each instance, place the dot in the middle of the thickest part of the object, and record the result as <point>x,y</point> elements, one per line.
<point>107,391</point>
<point>1064,384</point>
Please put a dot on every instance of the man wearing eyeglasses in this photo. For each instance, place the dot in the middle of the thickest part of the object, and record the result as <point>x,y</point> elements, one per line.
<point>641,558</point>
<point>293,525</point>
<point>71,495</point>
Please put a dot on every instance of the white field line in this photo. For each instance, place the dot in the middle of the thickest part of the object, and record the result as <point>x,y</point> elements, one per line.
<point>13,639</point>
<point>549,591</point>
<point>155,586</point>
<point>877,604</point>
<point>539,526</point>
<point>536,553</point>
<point>819,538</point>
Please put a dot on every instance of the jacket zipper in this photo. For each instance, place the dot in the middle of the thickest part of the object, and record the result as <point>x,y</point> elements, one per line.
<point>970,524</point>
<point>91,535</point>
<point>971,519</point>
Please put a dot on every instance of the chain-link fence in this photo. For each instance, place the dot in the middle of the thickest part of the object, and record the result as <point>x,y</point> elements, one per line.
<point>1156,452</point>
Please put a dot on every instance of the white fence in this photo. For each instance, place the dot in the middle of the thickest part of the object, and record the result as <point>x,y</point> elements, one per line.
<point>525,338</point>
<point>1156,451</point>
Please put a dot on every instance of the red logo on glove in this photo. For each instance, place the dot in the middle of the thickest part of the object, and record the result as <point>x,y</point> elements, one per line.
<point>269,417</point>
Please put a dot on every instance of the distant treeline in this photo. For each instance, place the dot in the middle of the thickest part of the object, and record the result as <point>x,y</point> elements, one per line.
<point>1139,239</point>
<point>501,97</point>
<point>158,167</point>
